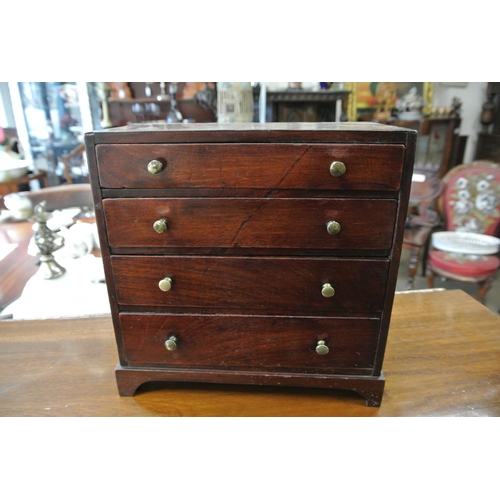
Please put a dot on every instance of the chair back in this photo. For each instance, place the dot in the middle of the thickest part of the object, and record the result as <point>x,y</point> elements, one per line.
<point>424,193</point>
<point>75,165</point>
<point>471,198</point>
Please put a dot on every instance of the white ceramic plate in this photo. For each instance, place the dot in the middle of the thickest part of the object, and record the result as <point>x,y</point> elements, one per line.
<point>463,242</point>
<point>13,170</point>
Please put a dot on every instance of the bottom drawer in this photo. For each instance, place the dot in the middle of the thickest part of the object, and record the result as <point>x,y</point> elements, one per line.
<point>251,342</point>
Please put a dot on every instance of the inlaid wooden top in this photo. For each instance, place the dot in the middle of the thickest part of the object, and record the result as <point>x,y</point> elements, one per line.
<point>349,132</point>
<point>442,359</point>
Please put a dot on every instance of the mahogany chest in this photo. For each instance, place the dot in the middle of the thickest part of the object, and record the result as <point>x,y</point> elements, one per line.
<point>252,253</point>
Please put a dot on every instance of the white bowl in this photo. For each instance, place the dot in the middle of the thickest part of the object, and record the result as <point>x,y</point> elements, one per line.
<point>12,166</point>
<point>464,242</point>
<point>11,172</point>
<point>18,204</point>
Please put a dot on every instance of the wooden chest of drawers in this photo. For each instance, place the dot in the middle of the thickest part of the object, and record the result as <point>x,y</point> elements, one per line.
<point>252,253</point>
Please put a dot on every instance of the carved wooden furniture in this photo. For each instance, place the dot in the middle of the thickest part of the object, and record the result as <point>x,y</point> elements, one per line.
<point>488,140</point>
<point>145,105</point>
<point>308,106</point>
<point>252,253</point>
<point>439,147</point>
<point>470,202</point>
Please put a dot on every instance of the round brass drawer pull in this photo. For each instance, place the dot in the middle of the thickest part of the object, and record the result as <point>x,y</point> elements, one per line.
<point>155,167</point>
<point>322,348</point>
<point>165,284</point>
<point>327,290</point>
<point>333,227</point>
<point>160,226</point>
<point>337,168</point>
<point>171,343</point>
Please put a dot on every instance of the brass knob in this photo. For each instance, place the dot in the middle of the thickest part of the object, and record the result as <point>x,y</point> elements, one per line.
<point>333,227</point>
<point>322,348</point>
<point>327,290</point>
<point>171,343</point>
<point>165,284</point>
<point>155,167</point>
<point>160,226</point>
<point>337,168</point>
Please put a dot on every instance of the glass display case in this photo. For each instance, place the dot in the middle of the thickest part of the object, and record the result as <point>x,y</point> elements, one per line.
<point>51,119</point>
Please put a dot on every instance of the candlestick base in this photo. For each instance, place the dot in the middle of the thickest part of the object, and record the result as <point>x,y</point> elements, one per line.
<point>49,268</point>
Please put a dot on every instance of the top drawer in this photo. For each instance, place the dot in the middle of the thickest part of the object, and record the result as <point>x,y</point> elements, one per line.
<point>271,166</point>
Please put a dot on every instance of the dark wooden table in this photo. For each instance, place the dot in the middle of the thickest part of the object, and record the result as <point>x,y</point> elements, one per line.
<point>18,266</point>
<point>443,359</point>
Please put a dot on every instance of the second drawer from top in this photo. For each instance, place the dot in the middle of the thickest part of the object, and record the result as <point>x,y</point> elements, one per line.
<point>359,224</point>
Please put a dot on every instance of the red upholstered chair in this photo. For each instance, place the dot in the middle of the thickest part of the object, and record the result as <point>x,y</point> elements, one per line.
<point>470,202</point>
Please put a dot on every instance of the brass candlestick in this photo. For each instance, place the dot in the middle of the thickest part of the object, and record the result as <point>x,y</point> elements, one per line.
<point>47,242</point>
<point>104,91</point>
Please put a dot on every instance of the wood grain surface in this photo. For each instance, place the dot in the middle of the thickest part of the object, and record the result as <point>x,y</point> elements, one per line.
<point>442,359</point>
<point>251,223</point>
<point>265,285</point>
<point>226,342</point>
<point>272,166</point>
<point>157,133</point>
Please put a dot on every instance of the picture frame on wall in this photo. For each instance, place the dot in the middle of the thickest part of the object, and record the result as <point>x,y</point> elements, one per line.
<point>362,101</point>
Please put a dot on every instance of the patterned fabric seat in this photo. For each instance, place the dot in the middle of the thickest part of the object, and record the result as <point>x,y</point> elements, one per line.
<point>479,266</point>
<point>470,202</point>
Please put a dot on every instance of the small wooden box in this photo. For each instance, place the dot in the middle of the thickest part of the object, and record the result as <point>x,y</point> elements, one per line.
<point>252,253</point>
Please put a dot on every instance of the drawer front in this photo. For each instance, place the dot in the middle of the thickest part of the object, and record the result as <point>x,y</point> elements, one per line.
<point>250,342</point>
<point>268,285</point>
<point>270,166</point>
<point>250,223</point>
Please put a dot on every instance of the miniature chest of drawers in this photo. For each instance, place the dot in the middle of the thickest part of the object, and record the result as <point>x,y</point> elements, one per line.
<point>259,254</point>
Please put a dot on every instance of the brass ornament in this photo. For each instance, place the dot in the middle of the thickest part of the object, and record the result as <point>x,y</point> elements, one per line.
<point>327,290</point>
<point>160,226</point>
<point>333,227</point>
<point>165,284</point>
<point>322,348</point>
<point>337,168</point>
<point>155,167</point>
<point>171,343</point>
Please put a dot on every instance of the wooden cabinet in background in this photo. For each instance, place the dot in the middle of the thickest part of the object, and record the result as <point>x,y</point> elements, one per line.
<point>142,108</point>
<point>308,106</point>
<point>488,141</point>
<point>439,147</point>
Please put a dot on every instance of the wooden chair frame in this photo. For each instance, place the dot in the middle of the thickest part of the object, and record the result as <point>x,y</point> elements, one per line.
<point>66,160</point>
